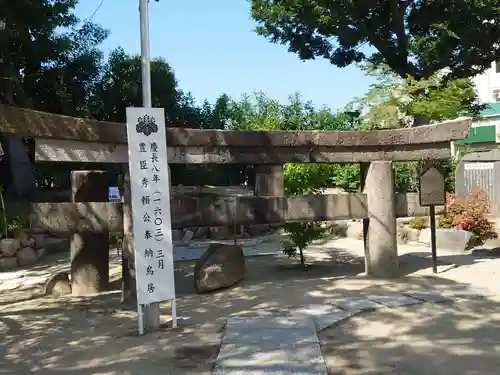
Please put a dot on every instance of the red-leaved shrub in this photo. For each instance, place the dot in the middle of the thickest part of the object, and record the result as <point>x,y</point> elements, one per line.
<point>469,213</point>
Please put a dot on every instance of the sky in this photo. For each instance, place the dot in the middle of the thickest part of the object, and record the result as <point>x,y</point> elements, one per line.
<point>212,49</point>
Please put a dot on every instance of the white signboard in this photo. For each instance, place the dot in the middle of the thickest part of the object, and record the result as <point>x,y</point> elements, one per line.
<point>478,166</point>
<point>149,177</point>
<point>114,194</point>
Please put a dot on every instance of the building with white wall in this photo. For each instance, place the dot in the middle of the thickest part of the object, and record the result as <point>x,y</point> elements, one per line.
<point>488,84</point>
<point>485,131</point>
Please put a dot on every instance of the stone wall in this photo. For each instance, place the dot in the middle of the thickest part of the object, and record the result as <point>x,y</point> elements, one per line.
<point>407,205</point>
<point>216,233</point>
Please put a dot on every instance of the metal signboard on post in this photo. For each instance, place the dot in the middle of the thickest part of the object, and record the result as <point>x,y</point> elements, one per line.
<point>432,193</point>
<point>150,196</point>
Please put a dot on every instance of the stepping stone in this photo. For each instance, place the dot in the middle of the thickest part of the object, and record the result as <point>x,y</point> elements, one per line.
<point>249,335</point>
<point>356,304</point>
<point>395,300</point>
<point>454,291</point>
<point>429,296</point>
<point>324,315</point>
<point>263,359</point>
<point>272,321</point>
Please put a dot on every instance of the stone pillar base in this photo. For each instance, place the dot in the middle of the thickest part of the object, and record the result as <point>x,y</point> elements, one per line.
<point>89,250</point>
<point>269,180</point>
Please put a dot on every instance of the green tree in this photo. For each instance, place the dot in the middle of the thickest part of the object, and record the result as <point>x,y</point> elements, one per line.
<point>31,40</point>
<point>258,112</point>
<point>65,85</point>
<point>394,102</point>
<point>47,62</point>
<point>120,87</point>
<point>416,38</point>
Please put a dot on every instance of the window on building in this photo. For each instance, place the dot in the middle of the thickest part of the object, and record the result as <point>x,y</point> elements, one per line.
<point>497,66</point>
<point>496,95</point>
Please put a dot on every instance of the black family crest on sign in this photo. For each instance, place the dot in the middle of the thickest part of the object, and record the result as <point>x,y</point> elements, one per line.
<point>146,125</point>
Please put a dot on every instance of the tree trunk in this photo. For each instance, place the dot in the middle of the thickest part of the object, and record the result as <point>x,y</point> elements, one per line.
<point>302,259</point>
<point>17,157</point>
<point>23,177</point>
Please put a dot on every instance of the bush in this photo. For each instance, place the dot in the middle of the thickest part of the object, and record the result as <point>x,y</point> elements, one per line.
<point>301,235</point>
<point>406,175</point>
<point>304,179</point>
<point>469,213</point>
<point>345,176</point>
<point>418,223</point>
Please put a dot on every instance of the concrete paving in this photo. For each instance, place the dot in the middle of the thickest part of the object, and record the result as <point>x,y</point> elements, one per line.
<point>270,345</point>
<point>280,345</point>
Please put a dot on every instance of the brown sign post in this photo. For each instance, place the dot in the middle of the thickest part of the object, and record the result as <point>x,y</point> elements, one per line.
<point>432,193</point>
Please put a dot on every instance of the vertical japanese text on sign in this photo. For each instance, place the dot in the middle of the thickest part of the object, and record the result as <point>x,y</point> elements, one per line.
<point>150,205</point>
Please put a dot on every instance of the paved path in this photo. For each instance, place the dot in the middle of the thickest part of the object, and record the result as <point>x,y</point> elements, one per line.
<point>270,345</point>
<point>274,345</point>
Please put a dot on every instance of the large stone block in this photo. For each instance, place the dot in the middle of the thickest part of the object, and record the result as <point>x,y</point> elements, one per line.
<point>448,238</point>
<point>26,256</point>
<point>221,266</point>
<point>58,285</point>
<point>23,237</point>
<point>220,233</point>
<point>406,234</point>
<point>8,263</point>
<point>9,246</point>
<point>269,180</point>
<point>355,230</point>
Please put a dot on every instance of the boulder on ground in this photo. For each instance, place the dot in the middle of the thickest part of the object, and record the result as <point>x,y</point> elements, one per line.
<point>188,235</point>
<point>355,230</point>
<point>9,246</point>
<point>220,233</point>
<point>338,228</point>
<point>406,234</point>
<point>24,238</point>
<point>26,256</point>
<point>39,240</point>
<point>8,263</point>
<point>257,229</point>
<point>201,232</point>
<point>448,238</point>
<point>55,245</point>
<point>221,266</point>
<point>177,234</point>
<point>57,285</point>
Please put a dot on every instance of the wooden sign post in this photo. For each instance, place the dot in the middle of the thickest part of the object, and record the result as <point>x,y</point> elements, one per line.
<point>432,193</point>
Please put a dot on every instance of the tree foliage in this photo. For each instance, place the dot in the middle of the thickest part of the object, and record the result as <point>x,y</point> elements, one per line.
<point>394,102</point>
<point>258,112</point>
<point>416,38</point>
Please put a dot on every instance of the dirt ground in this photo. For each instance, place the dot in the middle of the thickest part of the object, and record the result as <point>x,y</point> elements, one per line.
<point>98,335</point>
<point>460,338</point>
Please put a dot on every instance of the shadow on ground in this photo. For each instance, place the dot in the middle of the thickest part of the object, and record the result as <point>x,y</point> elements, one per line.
<point>98,335</point>
<point>448,338</point>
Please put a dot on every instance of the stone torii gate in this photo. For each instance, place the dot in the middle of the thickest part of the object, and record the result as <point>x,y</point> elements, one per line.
<point>66,139</point>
